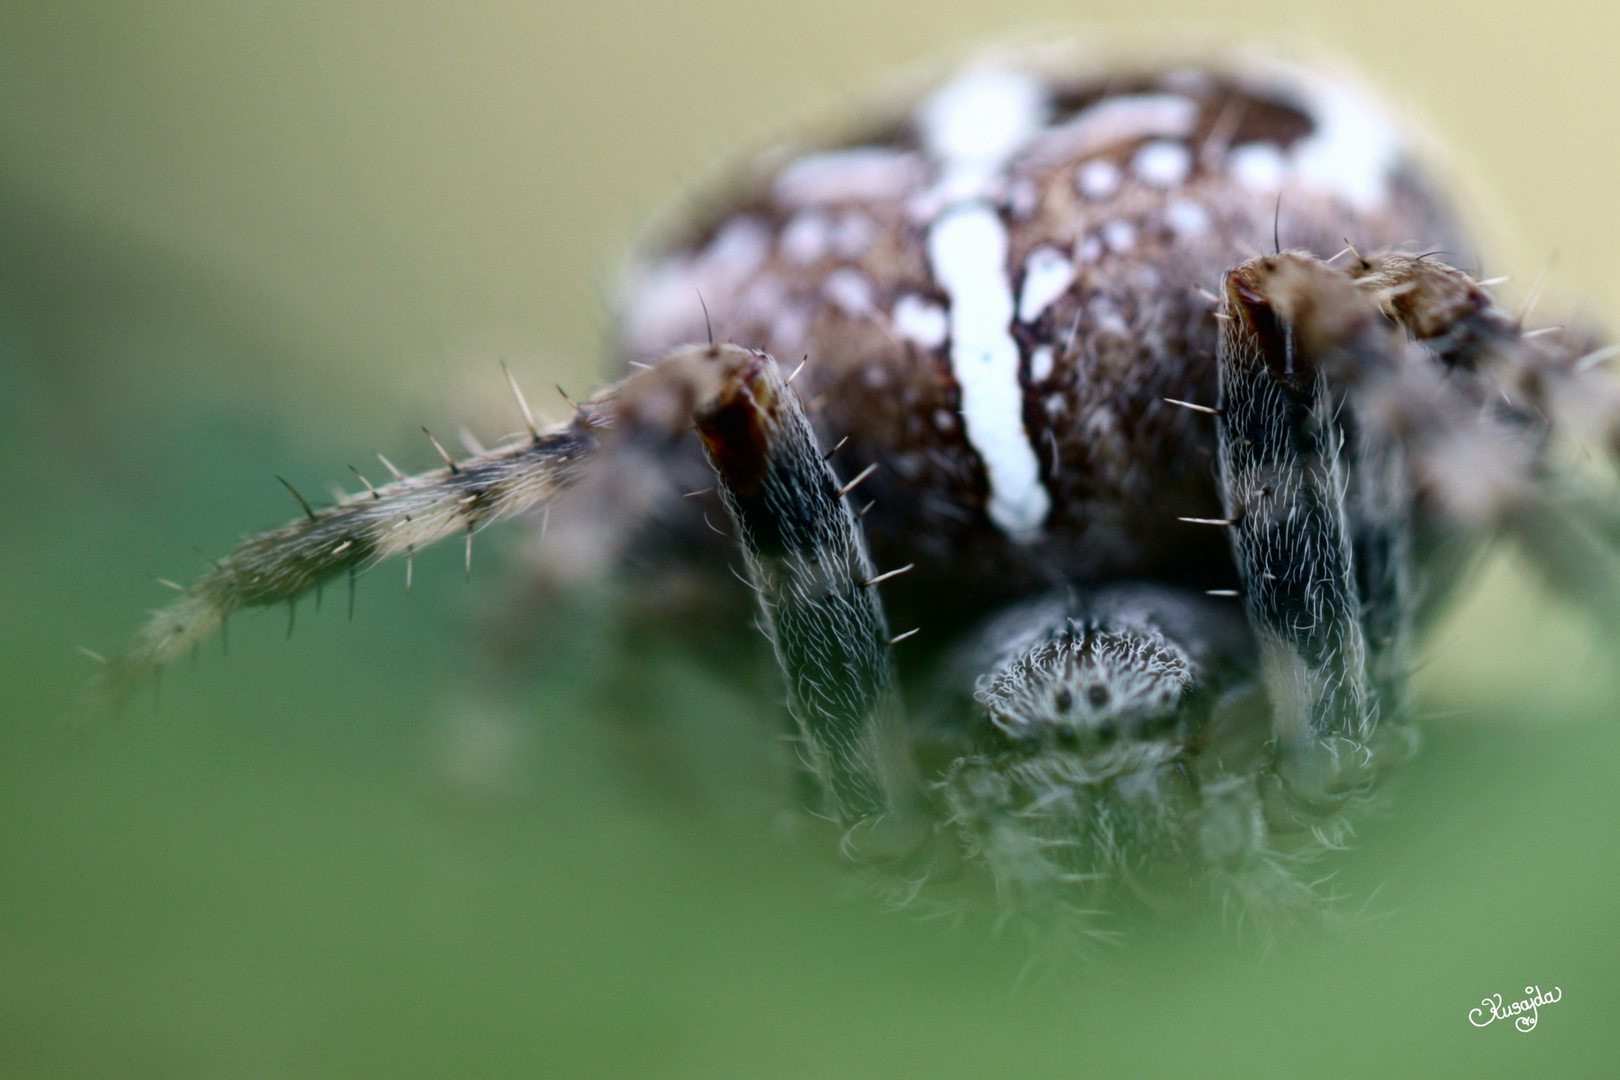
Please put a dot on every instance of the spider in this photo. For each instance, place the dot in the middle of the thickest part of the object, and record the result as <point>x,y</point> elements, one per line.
<point>1167,511</point>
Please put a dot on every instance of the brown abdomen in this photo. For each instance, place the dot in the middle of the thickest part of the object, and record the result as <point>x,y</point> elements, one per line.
<point>996,293</point>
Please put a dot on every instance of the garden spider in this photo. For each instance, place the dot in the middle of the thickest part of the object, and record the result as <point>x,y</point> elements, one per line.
<point>1167,511</point>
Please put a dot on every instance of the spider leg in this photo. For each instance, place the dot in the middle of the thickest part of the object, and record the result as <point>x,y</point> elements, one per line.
<point>1376,424</point>
<point>631,420</point>
<point>1319,505</point>
<point>1483,423</point>
<point>807,561</point>
<point>349,537</point>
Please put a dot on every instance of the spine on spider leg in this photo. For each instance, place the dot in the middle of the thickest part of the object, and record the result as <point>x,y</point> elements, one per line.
<point>351,536</point>
<point>816,587</point>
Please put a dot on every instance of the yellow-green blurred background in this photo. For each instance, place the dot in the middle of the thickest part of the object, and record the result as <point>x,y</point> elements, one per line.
<point>238,240</point>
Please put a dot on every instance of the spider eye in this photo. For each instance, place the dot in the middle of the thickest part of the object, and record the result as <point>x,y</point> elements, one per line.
<point>1065,700</point>
<point>1097,695</point>
<point>1067,738</point>
<point>1107,731</point>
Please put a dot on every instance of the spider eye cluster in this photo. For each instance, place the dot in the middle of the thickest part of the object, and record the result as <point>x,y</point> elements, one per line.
<point>1088,688</point>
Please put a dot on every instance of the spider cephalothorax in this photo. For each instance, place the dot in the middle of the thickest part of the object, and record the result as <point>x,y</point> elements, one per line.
<point>1172,510</point>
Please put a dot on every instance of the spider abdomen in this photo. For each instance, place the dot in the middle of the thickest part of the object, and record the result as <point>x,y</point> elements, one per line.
<point>997,292</point>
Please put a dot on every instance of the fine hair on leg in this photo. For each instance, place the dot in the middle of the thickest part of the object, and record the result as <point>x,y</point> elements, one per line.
<point>818,594</point>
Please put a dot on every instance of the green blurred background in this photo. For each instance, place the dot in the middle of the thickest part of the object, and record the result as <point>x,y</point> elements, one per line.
<point>238,240</point>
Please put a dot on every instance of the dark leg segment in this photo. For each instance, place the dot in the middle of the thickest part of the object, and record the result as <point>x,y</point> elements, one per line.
<point>807,561</point>
<point>1320,510</point>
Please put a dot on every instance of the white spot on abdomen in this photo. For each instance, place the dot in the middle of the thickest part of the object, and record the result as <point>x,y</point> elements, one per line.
<point>916,319</point>
<point>1047,275</point>
<point>1162,163</point>
<point>967,250</point>
<point>1097,179</point>
<point>740,247</point>
<point>1259,166</point>
<point>1119,235</point>
<point>1041,362</point>
<point>811,235</point>
<point>849,291</point>
<point>1187,218</point>
<point>805,238</point>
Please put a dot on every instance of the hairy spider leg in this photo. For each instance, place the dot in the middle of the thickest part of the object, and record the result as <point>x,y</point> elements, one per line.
<point>818,596</point>
<point>633,419</point>
<point>1365,411</point>
<point>1320,511</point>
